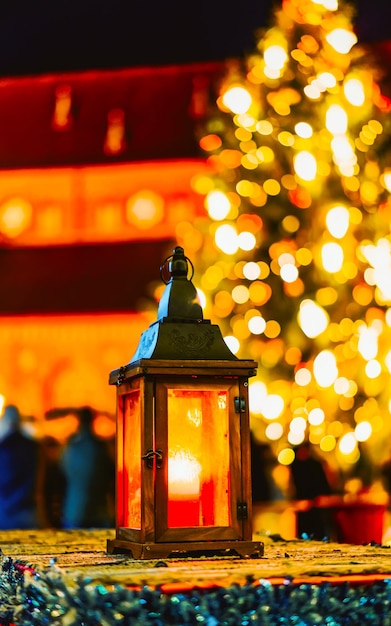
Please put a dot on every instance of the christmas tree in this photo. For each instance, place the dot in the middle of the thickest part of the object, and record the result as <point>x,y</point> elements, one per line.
<point>293,255</point>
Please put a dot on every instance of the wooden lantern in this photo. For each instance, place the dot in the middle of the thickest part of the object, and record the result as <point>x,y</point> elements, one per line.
<point>183,438</point>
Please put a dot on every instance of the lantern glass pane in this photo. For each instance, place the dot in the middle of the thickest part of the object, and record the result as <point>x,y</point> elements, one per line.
<point>130,479</point>
<point>198,458</point>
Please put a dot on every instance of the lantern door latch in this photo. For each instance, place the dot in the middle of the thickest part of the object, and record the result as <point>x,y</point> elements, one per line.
<point>150,455</point>
<point>240,404</point>
<point>241,510</point>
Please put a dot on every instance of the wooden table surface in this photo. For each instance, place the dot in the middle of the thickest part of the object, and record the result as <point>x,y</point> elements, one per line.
<point>83,553</point>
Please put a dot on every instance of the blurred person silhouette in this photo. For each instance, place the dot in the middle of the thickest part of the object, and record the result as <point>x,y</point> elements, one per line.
<point>385,473</point>
<point>89,472</point>
<point>385,481</point>
<point>51,483</point>
<point>263,462</point>
<point>19,462</point>
<point>363,474</point>
<point>310,480</point>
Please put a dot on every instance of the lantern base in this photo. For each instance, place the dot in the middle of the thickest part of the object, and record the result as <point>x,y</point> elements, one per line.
<point>193,549</point>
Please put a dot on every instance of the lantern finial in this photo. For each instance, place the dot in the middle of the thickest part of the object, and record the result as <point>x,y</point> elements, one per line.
<point>180,299</point>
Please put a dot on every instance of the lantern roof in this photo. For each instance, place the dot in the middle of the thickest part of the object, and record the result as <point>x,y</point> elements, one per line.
<point>180,331</point>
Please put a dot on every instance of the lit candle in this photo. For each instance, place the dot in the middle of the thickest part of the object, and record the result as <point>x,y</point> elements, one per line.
<point>183,490</point>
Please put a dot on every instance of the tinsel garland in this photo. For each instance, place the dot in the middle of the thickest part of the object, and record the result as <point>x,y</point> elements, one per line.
<point>30,597</point>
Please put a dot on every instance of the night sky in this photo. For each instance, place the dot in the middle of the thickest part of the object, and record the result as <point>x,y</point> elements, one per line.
<point>66,35</point>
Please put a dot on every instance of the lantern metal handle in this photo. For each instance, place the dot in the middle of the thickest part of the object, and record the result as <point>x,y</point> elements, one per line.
<point>149,455</point>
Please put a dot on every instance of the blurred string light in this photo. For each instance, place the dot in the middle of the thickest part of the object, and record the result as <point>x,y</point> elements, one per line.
<point>15,217</point>
<point>145,209</point>
<point>295,252</point>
